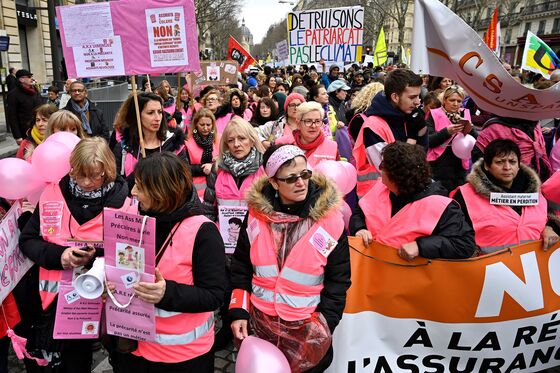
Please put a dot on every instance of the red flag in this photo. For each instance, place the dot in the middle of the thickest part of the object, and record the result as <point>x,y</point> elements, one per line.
<point>237,53</point>
<point>491,37</point>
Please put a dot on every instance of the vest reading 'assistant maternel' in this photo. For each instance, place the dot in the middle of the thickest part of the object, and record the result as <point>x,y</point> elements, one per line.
<point>499,227</point>
<point>326,151</point>
<point>416,219</point>
<point>293,291</point>
<point>58,226</point>
<point>180,336</point>
<point>367,173</point>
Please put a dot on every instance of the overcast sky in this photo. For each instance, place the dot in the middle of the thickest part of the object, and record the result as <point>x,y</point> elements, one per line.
<point>261,14</point>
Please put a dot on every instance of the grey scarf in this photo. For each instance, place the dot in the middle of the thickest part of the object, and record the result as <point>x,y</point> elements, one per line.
<point>83,114</point>
<point>243,167</point>
<point>97,193</point>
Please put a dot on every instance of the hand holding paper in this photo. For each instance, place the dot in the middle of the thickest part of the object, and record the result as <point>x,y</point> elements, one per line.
<point>151,292</point>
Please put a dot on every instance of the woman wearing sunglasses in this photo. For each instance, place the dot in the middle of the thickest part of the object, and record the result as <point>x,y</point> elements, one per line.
<point>407,210</point>
<point>291,262</point>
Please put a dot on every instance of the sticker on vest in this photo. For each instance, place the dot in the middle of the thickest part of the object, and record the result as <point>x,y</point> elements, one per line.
<point>90,327</point>
<point>253,230</point>
<point>51,218</point>
<point>514,199</point>
<point>323,242</point>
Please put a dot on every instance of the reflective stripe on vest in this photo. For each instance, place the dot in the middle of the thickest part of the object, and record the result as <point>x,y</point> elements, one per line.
<point>295,301</point>
<point>369,176</point>
<point>164,313</point>
<point>230,202</point>
<point>48,286</point>
<point>266,271</point>
<point>188,337</point>
<point>301,278</point>
<point>493,249</point>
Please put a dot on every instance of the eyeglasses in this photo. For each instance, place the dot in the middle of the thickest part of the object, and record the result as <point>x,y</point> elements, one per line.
<point>77,90</point>
<point>293,106</point>
<point>312,122</point>
<point>211,99</point>
<point>93,178</point>
<point>305,175</point>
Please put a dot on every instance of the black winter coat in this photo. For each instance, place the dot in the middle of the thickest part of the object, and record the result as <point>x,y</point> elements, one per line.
<point>96,119</point>
<point>452,237</point>
<point>337,270</point>
<point>19,112</point>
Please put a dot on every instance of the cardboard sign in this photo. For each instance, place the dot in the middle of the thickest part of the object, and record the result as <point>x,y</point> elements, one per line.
<point>100,40</point>
<point>216,73</point>
<point>334,35</point>
<point>13,264</point>
<point>491,313</point>
<point>76,317</point>
<point>128,261</point>
<point>282,50</point>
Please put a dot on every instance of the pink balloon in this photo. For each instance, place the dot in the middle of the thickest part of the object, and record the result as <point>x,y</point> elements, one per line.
<point>51,161</point>
<point>64,137</point>
<point>462,145</point>
<point>17,178</point>
<point>351,177</point>
<point>257,355</point>
<point>34,196</point>
<point>346,214</point>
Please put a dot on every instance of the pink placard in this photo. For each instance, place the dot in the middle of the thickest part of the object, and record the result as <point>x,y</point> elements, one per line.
<point>76,317</point>
<point>158,24</point>
<point>127,261</point>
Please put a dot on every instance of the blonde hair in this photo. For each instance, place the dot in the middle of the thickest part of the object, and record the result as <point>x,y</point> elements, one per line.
<point>243,128</point>
<point>363,99</point>
<point>451,90</point>
<point>62,120</point>
<point>211,92</point>
<point>88,153</point>
<point>308,107</point>
<point>205,113</point>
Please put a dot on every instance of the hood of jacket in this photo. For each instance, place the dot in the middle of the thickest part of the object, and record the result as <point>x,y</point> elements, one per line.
<point>323,197</point>
<point>526,181</point>
<point>382,107</point>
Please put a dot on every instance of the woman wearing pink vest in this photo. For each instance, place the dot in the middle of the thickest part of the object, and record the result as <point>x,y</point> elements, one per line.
<point>410,212</point>
<point>281,130</point>
<point>237,167</point>
<point>291,267</point>
<point>157,136</point>
<point>309,136</point>
<point>69,210</point>
<point>212,101</point>
<point>202,148</point>
<point>497,222</point>
<point>444,124</point>
<point>190,273</point>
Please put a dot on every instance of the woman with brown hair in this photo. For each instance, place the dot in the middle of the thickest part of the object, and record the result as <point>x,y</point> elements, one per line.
<point>265,111</point>
<point>202,147</point>
<point>157,136</point>
<point>38,133</point>
<point>190,273</point>
<point>71,209</point>
<point>410,212</point>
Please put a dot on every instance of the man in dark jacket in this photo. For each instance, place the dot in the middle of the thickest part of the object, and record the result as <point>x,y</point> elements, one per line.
<point>11,80</point>
<point>21,102</point>
<point>90,115</point>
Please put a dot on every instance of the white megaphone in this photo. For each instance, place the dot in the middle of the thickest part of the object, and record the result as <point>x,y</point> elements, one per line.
<point>90,284</point>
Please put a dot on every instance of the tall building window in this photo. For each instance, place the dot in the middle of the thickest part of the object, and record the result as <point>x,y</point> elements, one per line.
<point>556,26</point>
<point>508,36</point>
<point>542,26</point>
<point>527,28</point>
<point>23,47</point>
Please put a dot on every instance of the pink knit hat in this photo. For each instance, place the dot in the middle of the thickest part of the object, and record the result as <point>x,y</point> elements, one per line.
<point>291,97</point>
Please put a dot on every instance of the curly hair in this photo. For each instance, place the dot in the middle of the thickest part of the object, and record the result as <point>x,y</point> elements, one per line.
<point>406,166</point>
<point>236,92</point>
<point>363,99</point>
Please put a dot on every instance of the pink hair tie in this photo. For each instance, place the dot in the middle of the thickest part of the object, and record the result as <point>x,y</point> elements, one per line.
<point>280,156</point>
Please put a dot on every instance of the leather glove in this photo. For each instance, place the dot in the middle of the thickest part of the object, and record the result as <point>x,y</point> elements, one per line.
<point>414,122</point>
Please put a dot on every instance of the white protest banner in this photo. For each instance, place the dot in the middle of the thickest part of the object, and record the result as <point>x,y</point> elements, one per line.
<point>167,36</point>
<point>13,264</point>
<point>514,199</point>
<point>444,45</point>
<point>334,35</point>
<point>494,313</point>
<point>282,50</point>
<point>102,57</point>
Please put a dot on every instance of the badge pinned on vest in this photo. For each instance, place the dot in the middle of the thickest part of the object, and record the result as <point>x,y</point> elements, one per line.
<point>514,199</point>
<point>253,230</point>
<point>322,241</point>
<point>51,218</point>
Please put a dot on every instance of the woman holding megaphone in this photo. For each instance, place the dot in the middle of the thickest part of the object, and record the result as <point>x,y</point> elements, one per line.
<point>70,210</point>
<point>190,274</point>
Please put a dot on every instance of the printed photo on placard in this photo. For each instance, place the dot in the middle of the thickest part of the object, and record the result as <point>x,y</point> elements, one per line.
<point>128,256</point>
